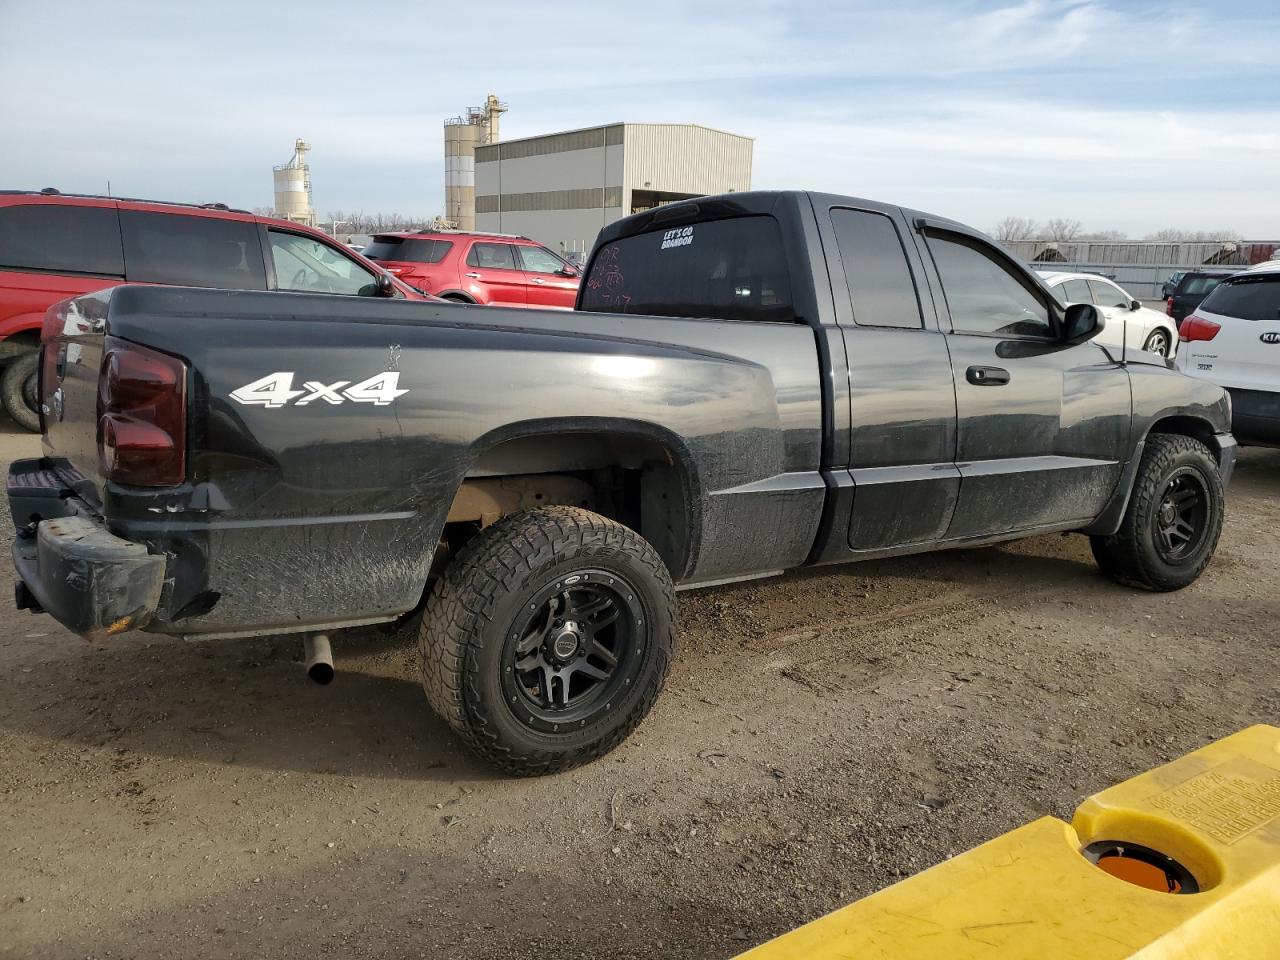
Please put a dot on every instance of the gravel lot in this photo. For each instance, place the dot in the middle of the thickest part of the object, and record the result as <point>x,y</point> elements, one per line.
<point>821,735</point>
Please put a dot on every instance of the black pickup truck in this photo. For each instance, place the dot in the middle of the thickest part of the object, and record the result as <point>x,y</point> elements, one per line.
<point>750,383</point>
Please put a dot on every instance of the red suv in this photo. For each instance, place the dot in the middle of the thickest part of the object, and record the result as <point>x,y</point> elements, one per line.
<point>54,246</point>
<point>491,268</point>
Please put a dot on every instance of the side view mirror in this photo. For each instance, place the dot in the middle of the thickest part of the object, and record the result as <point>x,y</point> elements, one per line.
<point>386,287</point>
<point>568,270</point>
<point>1083,322</point>
<point>1135,305</point>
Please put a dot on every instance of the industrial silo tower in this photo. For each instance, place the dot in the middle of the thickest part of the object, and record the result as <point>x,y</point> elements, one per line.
<point>293,187</point>
<point>461,137</point>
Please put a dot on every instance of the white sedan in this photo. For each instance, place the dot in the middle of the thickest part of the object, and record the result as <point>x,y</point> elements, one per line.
<point>1128,321</point>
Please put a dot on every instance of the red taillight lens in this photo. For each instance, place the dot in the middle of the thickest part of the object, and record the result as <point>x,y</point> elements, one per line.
<point>1196,327</point>
<point>1168,307</point>
<point>142,416</point>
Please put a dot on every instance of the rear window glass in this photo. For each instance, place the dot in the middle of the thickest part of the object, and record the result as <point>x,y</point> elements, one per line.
<point>1194,286</point>
<point>1249,298</point>
<point>63,239</point>
<point>192,251</point>
<point>407,249</point>
<point>728,269</point>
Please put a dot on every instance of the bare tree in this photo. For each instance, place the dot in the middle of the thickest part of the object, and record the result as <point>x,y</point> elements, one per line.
<point>1062,229</point>
<point>1175,235</point>
<point>1015,228</point>
<point>1105,236</point>
<point>264,211</point>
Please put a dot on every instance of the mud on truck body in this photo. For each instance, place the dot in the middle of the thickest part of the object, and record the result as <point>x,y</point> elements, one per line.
<point>749,384</point>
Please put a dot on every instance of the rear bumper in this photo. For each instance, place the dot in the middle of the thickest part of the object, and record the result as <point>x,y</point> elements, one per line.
<point>1255,416</point>
<point>70,566</point>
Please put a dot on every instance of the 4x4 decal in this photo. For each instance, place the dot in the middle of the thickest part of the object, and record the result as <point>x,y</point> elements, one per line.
<point>276,390</point>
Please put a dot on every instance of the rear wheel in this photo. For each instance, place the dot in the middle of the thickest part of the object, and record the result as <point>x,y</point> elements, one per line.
<point>1159,342</point>
<point>1173,520</point>
<point>18,390</point>
<point>548,638</point>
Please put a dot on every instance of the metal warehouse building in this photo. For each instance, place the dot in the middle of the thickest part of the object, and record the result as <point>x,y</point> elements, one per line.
<point>560,189</point>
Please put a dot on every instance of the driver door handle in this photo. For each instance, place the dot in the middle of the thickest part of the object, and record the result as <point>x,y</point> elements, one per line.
<point>473,276</point>
<point>987,376</point>
<point>536,280</point>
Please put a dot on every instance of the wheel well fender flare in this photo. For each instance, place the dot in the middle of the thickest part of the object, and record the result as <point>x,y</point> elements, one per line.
<point>680,554</point>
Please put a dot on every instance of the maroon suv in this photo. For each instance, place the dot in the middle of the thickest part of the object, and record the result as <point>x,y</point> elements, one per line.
<point>491,268</point>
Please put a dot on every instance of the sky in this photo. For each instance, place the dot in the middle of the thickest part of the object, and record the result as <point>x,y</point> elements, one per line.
<point>1131,116</point>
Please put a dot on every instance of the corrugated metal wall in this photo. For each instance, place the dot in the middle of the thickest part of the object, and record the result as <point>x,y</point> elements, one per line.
<point>685,158</point>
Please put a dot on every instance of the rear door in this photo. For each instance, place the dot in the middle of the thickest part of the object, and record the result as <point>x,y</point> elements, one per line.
<point>1043,427</point>
<point>902,403</point>
<point>492,274</point>
<point>552,282</point>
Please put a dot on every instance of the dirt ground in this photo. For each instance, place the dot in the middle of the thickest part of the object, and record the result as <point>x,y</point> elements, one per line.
<point>821,735</point>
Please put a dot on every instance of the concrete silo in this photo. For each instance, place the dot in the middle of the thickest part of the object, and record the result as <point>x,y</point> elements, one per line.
<point>479,126</point>
<point>293,187</point>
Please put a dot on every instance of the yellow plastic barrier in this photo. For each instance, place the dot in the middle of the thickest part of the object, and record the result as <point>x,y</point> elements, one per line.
<point>1198,841</point>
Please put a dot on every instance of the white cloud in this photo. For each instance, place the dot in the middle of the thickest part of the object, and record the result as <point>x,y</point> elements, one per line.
<point>1119,115</point>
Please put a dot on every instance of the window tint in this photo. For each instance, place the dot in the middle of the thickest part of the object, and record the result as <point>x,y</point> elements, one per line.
<point>407,249</point>
<point>495,256</point>
<point>1249,298</point>
<point>192,251</point>
<point>305,264</point>
<point>728,269</point>
<point>983,296</point>
<point>66,239</point>
<point>876,270</point>
<point>1074,291</point>
<point>1105,295</point>
<point>540,260</point>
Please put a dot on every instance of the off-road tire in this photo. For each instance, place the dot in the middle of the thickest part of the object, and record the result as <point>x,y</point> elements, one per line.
<point>1130,555</point>
<point>13,392</point>
<point>487,587</point>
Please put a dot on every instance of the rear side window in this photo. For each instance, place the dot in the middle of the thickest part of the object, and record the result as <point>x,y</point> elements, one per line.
<point>876,270</point>
<point>494,256</point>
<point>727,269</point>
<point>61,239</point>
<point>1195,286</point>
<point>1074,291</point>
<point>983,295</point>
<point>1105,295</point>
<point>1249,298</point>
<point>407,249</point>
<point>192,251</point>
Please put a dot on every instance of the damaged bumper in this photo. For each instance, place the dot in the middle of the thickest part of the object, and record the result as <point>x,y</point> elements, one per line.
<point>70,566</point>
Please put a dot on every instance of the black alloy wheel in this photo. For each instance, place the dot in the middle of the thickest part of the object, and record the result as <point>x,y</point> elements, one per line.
<point>1180,519</point>
<point>572,650</point>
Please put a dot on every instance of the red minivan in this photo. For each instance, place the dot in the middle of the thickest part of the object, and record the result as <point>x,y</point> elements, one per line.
<point>54,246</point>
<point>496,269</point>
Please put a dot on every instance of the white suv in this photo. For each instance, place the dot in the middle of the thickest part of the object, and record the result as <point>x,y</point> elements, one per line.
<point>1233,339</point>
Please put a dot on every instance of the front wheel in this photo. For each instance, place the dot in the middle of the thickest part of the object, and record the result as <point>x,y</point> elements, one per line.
<point>548,638</point>
<point>1159,342</point>
<point>1173,520</point>
<point>18,390</point>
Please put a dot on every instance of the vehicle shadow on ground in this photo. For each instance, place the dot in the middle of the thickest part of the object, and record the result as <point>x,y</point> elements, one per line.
<point>246,703</point>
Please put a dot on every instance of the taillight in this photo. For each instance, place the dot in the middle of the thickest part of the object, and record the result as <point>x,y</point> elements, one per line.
<point>1196,327</point>
<point>1168,307</point>
<point>142,416</point>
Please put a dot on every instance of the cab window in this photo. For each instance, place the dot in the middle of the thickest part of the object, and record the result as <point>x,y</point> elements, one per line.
<point>983,295</point>
<point>305,264</point>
